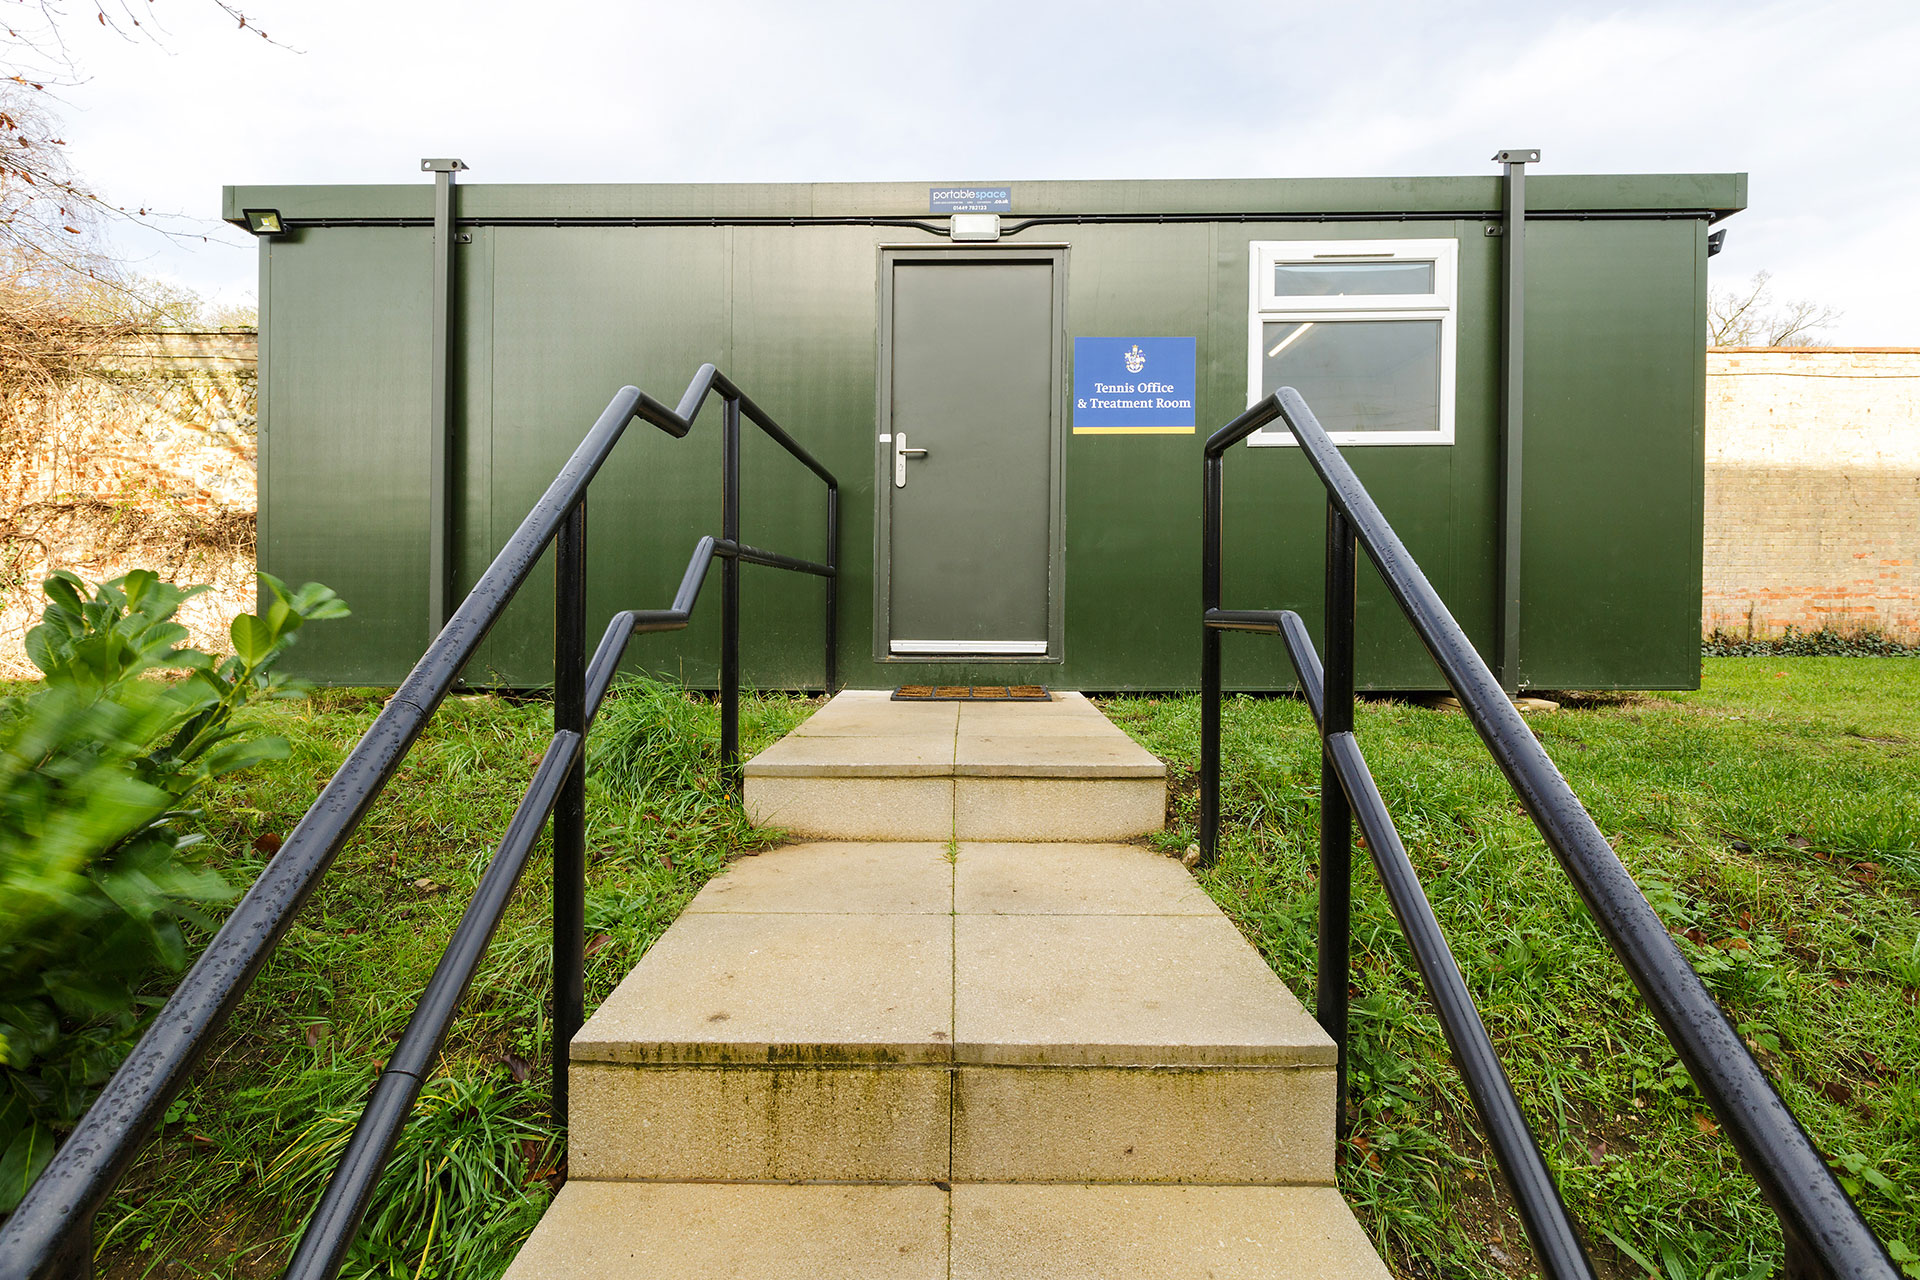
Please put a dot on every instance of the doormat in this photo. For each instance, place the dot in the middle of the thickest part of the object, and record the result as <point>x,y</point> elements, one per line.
<point>972,693</point>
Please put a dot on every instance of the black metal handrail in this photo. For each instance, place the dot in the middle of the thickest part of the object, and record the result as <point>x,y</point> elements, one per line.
<point>50,1232</point>
<point>1824,1233</point>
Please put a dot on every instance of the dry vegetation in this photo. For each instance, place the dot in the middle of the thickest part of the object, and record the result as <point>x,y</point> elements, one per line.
<point>118,449</point>
<point>111,460</point>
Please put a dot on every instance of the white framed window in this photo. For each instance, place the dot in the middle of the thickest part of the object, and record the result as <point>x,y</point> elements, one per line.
<point>1363,329</point>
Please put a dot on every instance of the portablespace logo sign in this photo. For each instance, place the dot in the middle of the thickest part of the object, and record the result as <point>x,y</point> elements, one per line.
<point>1133,386</point>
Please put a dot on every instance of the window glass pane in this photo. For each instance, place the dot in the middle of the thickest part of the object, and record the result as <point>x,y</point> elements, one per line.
<point>1347,279</point>
<point>1358,375</point>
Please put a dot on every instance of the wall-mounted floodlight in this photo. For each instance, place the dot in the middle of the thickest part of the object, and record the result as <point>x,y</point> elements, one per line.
<point>265,222</point>
<point>974,226</point>
<point>1716,241</point>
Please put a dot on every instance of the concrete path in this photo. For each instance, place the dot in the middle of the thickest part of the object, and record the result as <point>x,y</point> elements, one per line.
<point>951,1058</point>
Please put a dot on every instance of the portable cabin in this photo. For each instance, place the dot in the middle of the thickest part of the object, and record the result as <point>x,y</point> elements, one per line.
<point>1012,384</point>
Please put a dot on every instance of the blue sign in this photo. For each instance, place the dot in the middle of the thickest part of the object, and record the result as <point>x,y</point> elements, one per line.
<point>1133,386</point>
<point>969,199</point>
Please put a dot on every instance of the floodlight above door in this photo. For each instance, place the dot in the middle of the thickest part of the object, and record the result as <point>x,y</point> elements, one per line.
<point>974,227</point>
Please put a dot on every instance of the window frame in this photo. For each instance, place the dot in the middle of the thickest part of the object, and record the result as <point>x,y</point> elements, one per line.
<point>1265,307</point>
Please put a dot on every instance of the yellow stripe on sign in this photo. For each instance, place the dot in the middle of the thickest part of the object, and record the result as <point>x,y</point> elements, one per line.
<point>1133,431</point>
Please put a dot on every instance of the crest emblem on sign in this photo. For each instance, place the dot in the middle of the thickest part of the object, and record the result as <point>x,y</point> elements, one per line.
<point>1136,358</point>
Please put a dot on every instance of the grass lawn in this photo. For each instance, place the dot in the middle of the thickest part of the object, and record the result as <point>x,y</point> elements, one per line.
<point>248,1146</point>
<point>1773,819</point>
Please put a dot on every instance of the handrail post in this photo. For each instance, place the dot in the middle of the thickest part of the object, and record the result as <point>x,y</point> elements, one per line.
<point>730,598</point>
<point>833,589</point>
<point>1800,1263</point>
<point>1825,1236</point>
<point>49,1234</point>
<point>1336,812</point>
<point>570,813</point>
<point>1212,518</point>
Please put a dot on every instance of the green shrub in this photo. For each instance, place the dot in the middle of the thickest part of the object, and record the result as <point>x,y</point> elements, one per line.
<point>97,765</point>
<point>1795,643</point>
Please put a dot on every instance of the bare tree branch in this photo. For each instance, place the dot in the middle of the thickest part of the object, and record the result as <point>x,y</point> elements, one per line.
<point>62,293</point>
<point>1747,316</point>
<point>41,197</point>
<point>1796,323</point>
<point>1730,312</point>
<point>37,27</point>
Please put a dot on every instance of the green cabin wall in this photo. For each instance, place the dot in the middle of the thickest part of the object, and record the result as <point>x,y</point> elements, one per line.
<point>343,464</point>
<point>552,320</point>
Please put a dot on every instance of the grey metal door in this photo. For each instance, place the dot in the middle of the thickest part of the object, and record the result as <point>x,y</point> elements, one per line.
<point>968,454</point>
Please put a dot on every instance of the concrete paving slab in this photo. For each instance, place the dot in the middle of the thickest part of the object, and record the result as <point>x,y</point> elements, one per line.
<point>825,1123</point>
<point>1012,752</point>
<point>865,712</point>
<point>886,755</point>
<point>1057,809</point>
<point>853,808</point>
<point>1261,1125</point>
<point>1158,1233</point>
<point>839,878</point>
<point>1073,880</point>
<point>1067,713</point>
<point>739,988</point>
<point>1062,708</point>
<point>676,1231</point>
<point>1122,991</point>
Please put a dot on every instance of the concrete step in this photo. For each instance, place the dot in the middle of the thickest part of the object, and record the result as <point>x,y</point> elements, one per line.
<point>864,767</point>
<point>644,1231</point>
<point>1015,1012</point>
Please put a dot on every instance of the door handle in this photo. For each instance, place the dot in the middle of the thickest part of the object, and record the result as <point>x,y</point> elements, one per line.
<point>900,455</point>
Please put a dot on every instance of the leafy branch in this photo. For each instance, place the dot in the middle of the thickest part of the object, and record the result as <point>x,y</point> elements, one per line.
<point>98,765</point>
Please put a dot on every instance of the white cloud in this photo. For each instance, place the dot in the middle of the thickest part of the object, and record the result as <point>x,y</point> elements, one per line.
<point>1816,101</point>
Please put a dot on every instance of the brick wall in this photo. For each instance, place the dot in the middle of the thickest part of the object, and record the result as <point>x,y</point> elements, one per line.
<point>144,461</point>
<point>1813,490</point>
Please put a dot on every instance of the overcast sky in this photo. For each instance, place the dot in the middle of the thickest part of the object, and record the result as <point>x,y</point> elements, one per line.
<point>1818,102</point>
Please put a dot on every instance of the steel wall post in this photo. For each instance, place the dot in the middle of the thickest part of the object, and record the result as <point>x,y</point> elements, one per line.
<point>440,402</point>
<point>570,813</point>
<point>833,590</point>
<point>1513,297</point>
<point>1212,518</point>
<point>730,598</point>
<point>1336,812</point>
